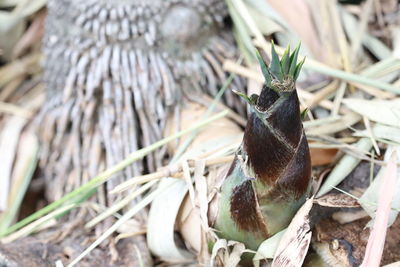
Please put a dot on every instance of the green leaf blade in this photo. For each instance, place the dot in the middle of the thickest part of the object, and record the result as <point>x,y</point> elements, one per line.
<point>293,61</point>
<point>298,69</point>
<point>285,61</point>
<point>264,69</point>
<point>275,64</point>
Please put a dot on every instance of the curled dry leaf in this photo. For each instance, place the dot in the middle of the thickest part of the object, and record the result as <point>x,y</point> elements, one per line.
<point>177,209</point>
<point>229,257</point>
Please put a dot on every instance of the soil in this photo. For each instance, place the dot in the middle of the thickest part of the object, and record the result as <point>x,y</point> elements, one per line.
<point>65,244</point>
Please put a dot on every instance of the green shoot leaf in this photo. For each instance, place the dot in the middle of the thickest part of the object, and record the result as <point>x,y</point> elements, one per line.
<point>298,68</point>
<point>275,64</point>
<point>251,100</point>
<point>293,61</point>
<point>304,113</point>
<point>264,69</point>
<point>285,61</point>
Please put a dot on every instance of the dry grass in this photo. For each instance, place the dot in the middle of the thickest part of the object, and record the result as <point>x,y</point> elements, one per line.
<point>350,85</point>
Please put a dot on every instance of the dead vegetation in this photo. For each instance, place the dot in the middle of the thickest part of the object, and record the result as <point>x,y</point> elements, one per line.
<point>350,85</point>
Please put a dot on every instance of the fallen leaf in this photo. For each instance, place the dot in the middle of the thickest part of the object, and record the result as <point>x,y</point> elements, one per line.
<point>371,196</point>
<point>384,132</point>
<point>230,258</point>
<point>337,201</point>
<point>346,164</point>
<point>376,241</point>
<point>382,111</point>
<point>294,244</point>
<point>322,156</point>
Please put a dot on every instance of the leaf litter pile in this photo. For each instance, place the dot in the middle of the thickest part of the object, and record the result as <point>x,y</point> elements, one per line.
<point>184,213</point>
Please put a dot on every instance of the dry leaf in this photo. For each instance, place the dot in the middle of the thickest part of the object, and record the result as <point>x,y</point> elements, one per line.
<point>344,217</point>
<point>294,245</point>
<point>338,125</point>
<point>322,156</point>
<point>376,241</point>
<point>192,221</point>
<point>25,164</point>
<point>382,111</point>
<point>346,164</point>
<point>32,35</point>
<point>164,209</point>
<point>394,264</point>
<point>384,132</point>
<point>337,201</point>
<point>216,135</point>
<point>8,146</point>
<point>230,258</point>
<point>371,196</point>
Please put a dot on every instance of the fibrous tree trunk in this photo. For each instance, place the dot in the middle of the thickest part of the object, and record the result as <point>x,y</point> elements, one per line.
<point>114,70</point>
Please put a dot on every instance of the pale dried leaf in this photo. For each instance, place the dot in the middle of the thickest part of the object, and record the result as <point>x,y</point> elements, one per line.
<point>188,179</point>
<point>344,217</point>
<point>11,30</point>
<point>338,125</point>
<point>372,195</point>
<point>165,209</point>
<point>346,164</point>
<point>31,36</point>
<point>235,255</point>
<point>384,132</point>
<point>394,264</point>
<point>229,258</point>
<point>8,3</point>
<point>377,237</point>
<point>337,201</point>
<point>8,147</point>
<point>382,111</point>
<point>294,244</point>
<point>132,225</point>
<point>189,225</point>
<point>221,244</point>
<point>24,167</point>
<point>27,8</point>
<point>201,192</point>
<point>217,135</point>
